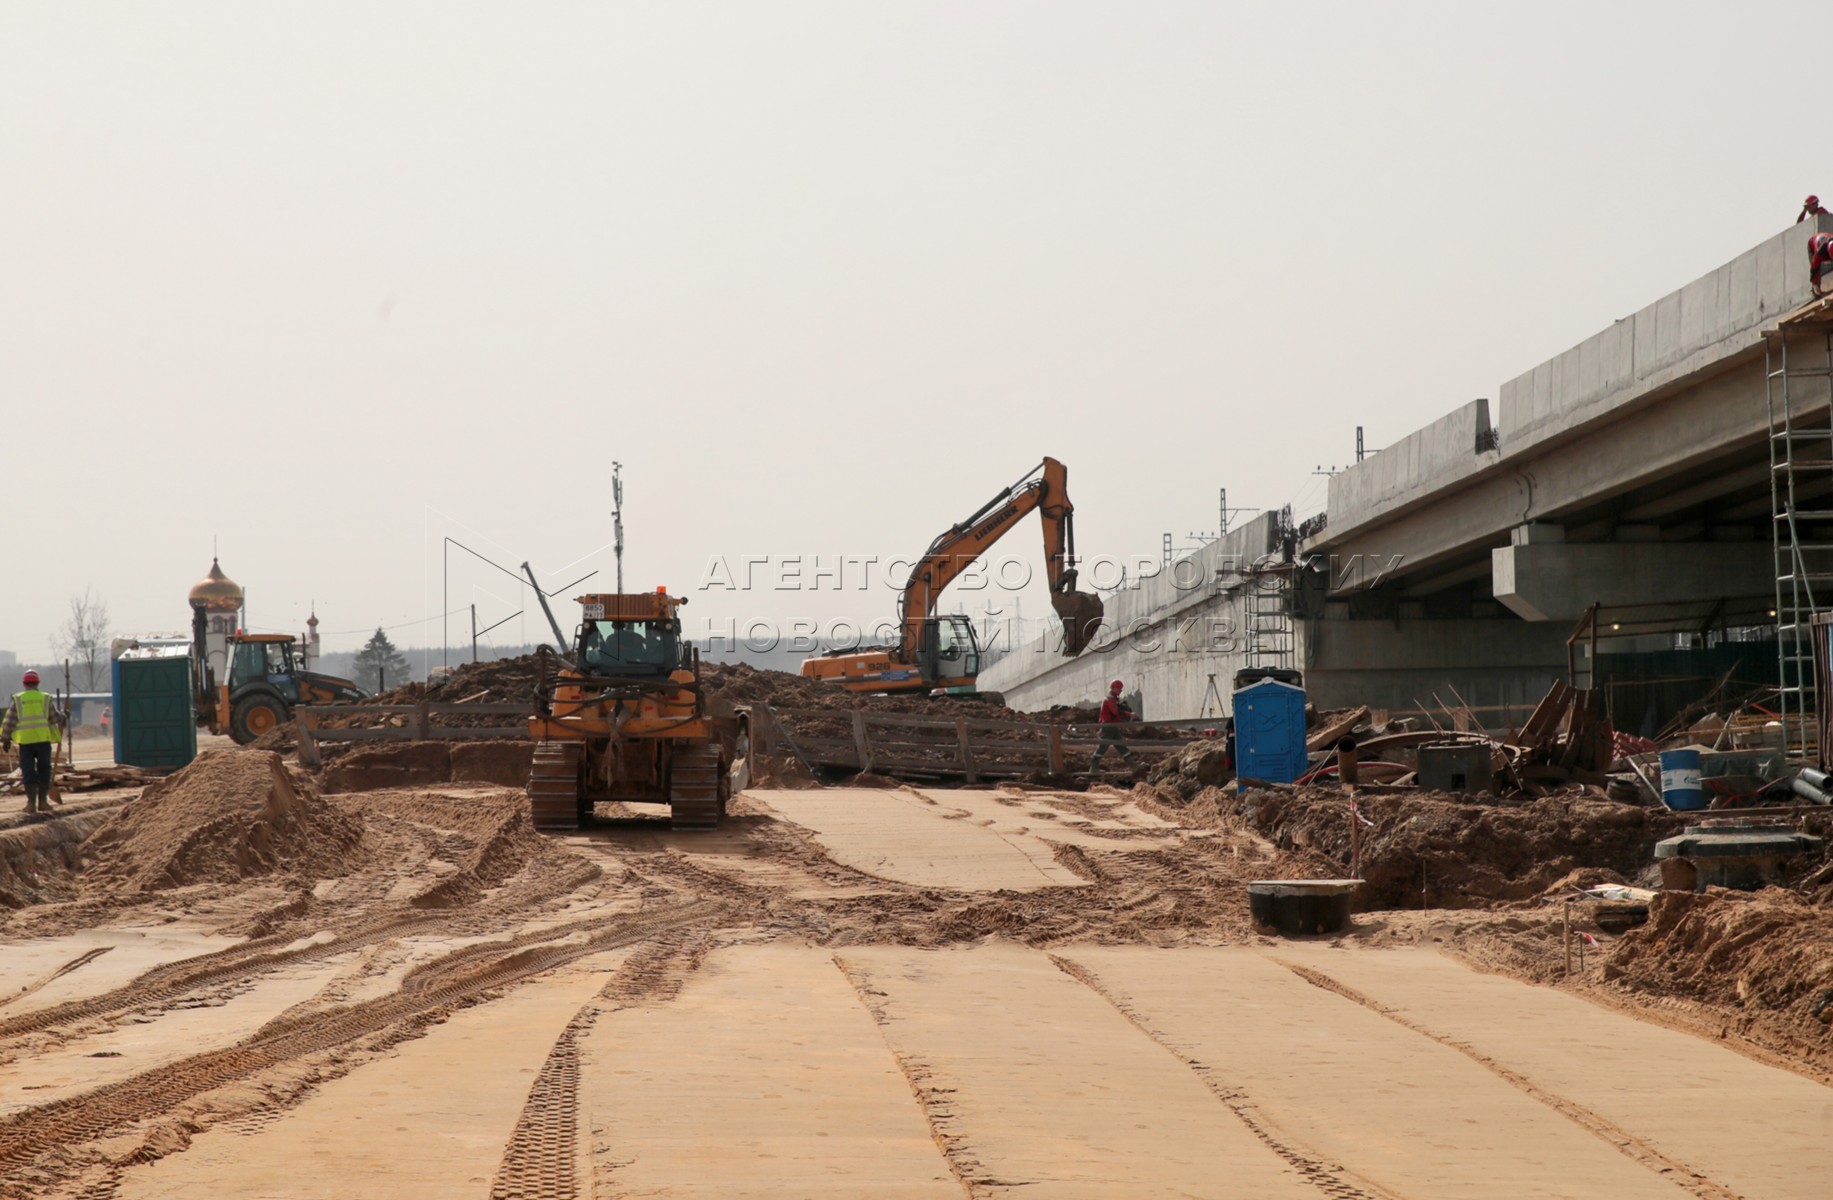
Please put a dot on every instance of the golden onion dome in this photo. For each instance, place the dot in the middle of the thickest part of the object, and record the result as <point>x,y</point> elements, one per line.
<point>216,592</point>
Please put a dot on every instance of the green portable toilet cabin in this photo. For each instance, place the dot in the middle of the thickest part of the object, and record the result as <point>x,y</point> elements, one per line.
<point>154,724</point>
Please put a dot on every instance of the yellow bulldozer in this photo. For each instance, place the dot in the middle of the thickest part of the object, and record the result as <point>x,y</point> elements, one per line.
<point>624,719</point>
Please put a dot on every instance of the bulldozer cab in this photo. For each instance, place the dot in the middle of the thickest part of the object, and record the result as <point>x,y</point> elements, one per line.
<point>630,647</point>
<point>630,635</point>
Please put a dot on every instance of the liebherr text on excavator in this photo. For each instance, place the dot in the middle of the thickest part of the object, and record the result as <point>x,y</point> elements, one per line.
<point>940,651</point>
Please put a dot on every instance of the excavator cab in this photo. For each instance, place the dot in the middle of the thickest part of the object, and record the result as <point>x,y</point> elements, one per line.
<point>949,652</point>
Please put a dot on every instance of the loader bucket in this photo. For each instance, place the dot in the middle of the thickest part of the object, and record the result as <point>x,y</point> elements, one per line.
<point>1081,614</point>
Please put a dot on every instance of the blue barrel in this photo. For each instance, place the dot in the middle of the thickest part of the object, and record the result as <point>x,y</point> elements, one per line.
<point>1680,779</point>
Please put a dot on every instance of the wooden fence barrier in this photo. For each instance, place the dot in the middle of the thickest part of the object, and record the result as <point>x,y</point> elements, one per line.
<point>310,722</point>
<point>967,748</point>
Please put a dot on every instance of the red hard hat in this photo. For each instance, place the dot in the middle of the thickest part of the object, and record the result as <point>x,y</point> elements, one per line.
<point>1115,686</point>
<point>1811,202</point>
<point>31,677</point>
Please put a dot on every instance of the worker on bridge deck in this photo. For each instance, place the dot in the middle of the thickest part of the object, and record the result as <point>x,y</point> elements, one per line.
<point>1820,261</point>
<point>35,723</point>
<point>1811,208</point>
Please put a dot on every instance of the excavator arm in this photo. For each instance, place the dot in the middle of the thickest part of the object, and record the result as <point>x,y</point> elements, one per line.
<point>1044,488</point>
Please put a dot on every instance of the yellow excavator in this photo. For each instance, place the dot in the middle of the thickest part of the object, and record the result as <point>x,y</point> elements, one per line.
<point>623,718</point>
<point>939,652</point>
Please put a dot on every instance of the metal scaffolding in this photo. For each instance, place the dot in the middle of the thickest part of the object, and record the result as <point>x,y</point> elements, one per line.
<point>1798,371</point>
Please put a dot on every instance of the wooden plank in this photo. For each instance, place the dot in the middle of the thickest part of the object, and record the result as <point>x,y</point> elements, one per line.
<point>1418,737</point>
<point>304,720</point>
<point>1545,717</point>
<point>402,733</point>
<point>1056,751</point>
<point>862,744</point>
<point>1329,735</point>
<point>365,735</point>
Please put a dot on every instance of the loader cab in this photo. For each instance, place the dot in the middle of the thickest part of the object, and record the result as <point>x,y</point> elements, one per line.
<point>270,662</point>
<point>950,651</point>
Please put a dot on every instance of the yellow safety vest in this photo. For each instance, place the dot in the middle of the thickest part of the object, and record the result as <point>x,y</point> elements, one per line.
<point>34,709</point>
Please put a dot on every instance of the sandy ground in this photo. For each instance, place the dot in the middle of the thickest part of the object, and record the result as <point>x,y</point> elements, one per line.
<point>843,993</point>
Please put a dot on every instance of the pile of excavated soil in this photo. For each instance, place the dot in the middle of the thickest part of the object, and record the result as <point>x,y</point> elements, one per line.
<point>230,815</point>
<point>1433,850</point>
<point>40,861</point>
<point>787,774</point>
<point>1767,956</point>
<point>1198,765</point>
<point>512,681</point>
<point>1758,950</point>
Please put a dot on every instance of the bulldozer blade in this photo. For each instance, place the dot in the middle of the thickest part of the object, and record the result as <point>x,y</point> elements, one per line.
<point>1081,614</point>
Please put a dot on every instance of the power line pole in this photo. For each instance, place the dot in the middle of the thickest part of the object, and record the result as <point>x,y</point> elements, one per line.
<point>617,520</point>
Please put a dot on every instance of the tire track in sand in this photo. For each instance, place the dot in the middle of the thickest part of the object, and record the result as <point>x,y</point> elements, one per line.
<point>1331,1179</point>
<point>1591,1121</point>
<point>30,1134</point>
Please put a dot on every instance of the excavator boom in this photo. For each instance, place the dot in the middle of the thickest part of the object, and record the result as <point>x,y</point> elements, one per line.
<point>1044,488</point>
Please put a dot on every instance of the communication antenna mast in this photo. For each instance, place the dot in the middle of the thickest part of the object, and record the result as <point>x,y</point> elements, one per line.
<point>617,520</point>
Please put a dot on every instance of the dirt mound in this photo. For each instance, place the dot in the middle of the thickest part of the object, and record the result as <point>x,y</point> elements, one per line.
<point>1198,765</point>
<point>230,815</point>
<point>1766,957</point>
<point>41,861</point>
<point>775,771</point>
<point>1757,950</point>
<point>1434,850</point>
<point>411,764</point>
<point>495,831</point>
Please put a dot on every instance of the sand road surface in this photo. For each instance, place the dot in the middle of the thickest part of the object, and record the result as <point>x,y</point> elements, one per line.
<point>842,993</point>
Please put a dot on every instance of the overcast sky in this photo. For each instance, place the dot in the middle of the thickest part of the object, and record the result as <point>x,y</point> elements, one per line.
<point>327,284</point>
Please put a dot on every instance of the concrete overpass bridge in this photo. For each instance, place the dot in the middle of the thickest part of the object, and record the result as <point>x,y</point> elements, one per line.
<point>1633,472</point>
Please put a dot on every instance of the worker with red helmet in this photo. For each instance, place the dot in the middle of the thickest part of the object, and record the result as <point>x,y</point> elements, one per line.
<point>1114,713</point>
<point>35,723</point>
<point>1811,208</point>
<point>1820,261</point>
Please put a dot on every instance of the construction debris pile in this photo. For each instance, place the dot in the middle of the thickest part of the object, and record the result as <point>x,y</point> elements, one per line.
<point>1565,747</point>
<point>1435,850</point>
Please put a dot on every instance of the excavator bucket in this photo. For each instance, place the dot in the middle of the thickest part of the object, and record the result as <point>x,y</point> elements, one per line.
<point>1081,614</point>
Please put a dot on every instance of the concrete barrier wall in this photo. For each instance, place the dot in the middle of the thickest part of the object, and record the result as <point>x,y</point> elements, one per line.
<point>1162,637</point>
<point>1413,469</point>
<point>1714,319</point>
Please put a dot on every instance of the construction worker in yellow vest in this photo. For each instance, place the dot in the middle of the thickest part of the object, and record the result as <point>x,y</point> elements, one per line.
<point>34,722</point>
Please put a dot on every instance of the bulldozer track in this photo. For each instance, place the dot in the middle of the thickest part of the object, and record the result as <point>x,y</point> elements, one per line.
<point>553,785</point>
<point>541,1161</point>
<point>1331,1179</point>
<point>693,788</point>
<point>30,1133</point>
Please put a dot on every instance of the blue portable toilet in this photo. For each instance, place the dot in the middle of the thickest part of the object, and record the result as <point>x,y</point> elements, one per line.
<point>154,722</point>
<point>1269,726</point>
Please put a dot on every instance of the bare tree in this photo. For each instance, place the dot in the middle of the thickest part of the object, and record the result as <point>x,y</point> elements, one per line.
<point>85,638</point>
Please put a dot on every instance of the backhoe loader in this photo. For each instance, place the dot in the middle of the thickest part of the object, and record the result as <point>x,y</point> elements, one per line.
<point>940,652</point>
